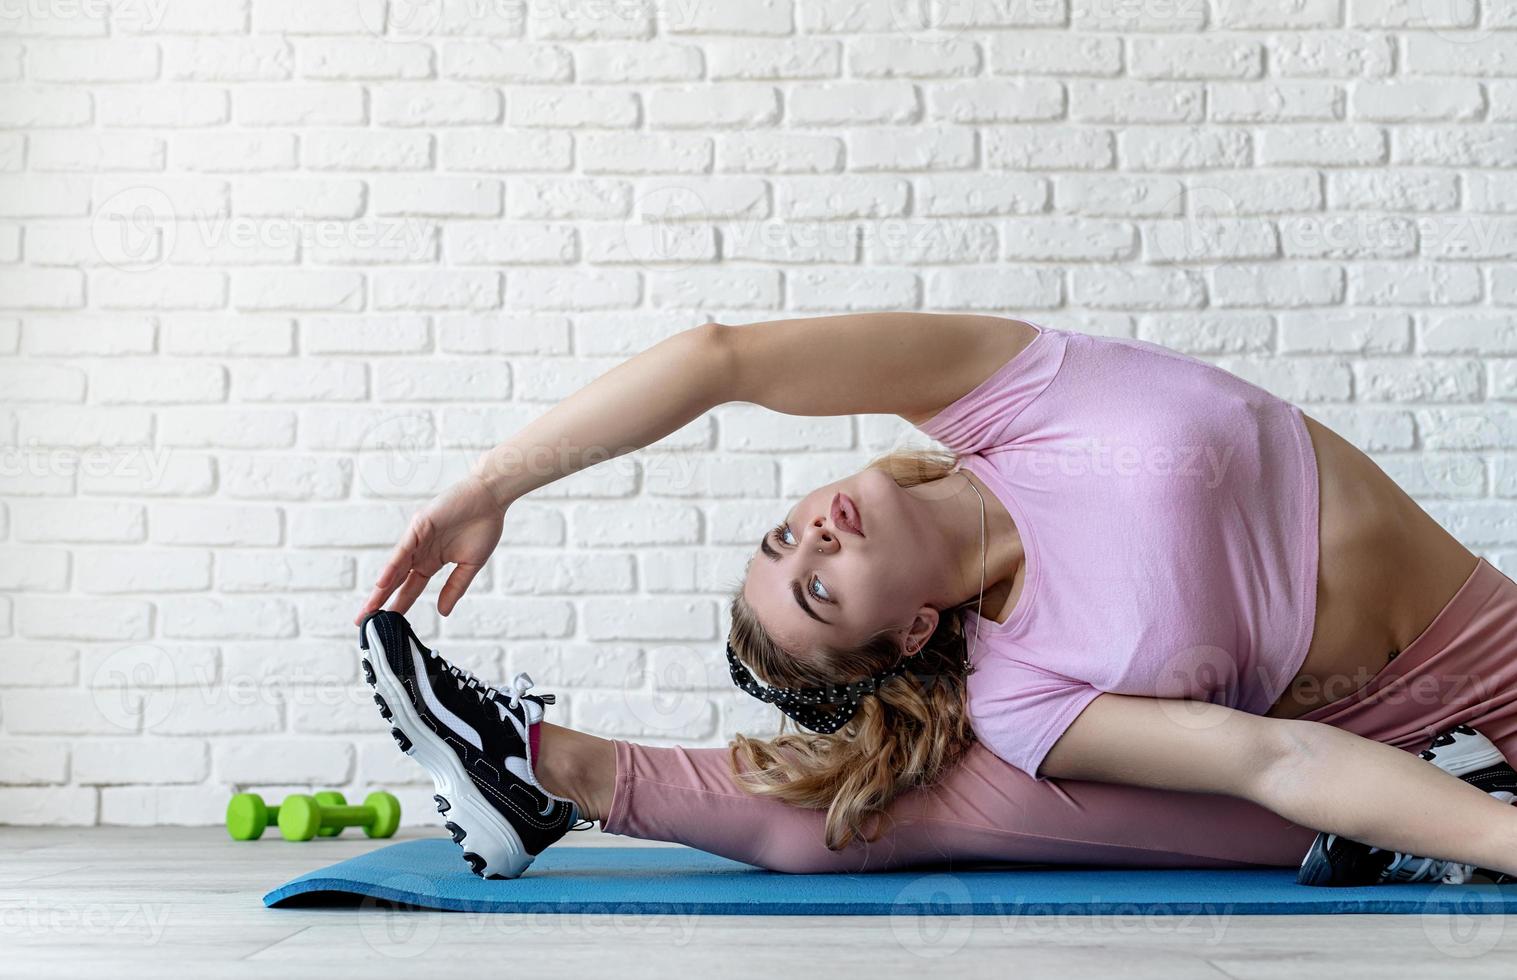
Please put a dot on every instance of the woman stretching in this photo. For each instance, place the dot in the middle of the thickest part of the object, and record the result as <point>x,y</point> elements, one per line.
<point>1146,614</point>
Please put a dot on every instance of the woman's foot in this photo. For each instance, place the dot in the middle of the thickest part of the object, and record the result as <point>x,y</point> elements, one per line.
<point>1460,751</point>
<point>479,745</point>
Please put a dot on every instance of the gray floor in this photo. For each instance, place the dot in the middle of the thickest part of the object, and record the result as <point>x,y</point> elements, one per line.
<point>175,902</point>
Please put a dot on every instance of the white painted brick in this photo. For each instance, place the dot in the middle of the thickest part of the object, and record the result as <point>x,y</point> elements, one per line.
<point>87,335</point>
<point>33,762</point>
<point>176,474</point>
<point>1194,57</point>
<point>1470,332</point>
<point>1357,332</point>
<point>33,569</point>
<point>160,806</point>
<point>1395,284</point>
<point>1106,15</point>
<point>1298,379</point>
<point>1400,190</point>
<point>143,106</point>
<point>145,383</point>
<point>366,150</point>
<point>1423,380</point>
<point>1210,332</point>
<point>57,806</point>
<point>291,289</point>
<point>80,521</point>
<point>299,105</point>
<point>108,571</point>
<point>1277,285</point>
<point>221,525</point>
<point>549,289</point>
<point>227,59</point>
<point>362,58</point>
<point>305,760</point>
<point>516,617</point>
<point>434,104</point>
<point>650,618</point>
<point>1102,101</point>
<point>743,107</point>
<point>71,618</point>
<point>1330,54</point>
<point>226,428</point>
<point>92,61</point>
<point>1314,194</point>
<point>436,290</point>
<point>28,106</point>
<point>1275,102</point>
<point>508,151</point>
<point>124,761</point>
<point>1042,148</point>
<point>1122,288</point>
<point>86,427</point>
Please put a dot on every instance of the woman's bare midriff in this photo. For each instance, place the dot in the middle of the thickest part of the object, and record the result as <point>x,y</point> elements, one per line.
<point>1386,570</point>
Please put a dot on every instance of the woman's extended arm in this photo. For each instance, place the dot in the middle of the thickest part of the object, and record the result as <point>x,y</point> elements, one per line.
<point>910,364</point>
<point>1312,774</point>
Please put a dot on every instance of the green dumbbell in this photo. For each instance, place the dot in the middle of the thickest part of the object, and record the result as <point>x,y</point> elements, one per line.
<point>303,817</point>
<point>247,815</point>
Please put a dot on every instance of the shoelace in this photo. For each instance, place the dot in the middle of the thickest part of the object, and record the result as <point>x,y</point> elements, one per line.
<point>1411,868</point>
<point>520,685</point>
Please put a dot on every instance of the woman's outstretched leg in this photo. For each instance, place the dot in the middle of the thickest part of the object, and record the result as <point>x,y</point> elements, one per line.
<point>984,810</point>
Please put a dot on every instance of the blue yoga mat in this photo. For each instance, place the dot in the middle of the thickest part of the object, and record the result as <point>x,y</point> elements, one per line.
<point>643,880</point>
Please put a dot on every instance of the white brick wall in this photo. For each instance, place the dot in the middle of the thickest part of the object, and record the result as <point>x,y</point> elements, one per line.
<point>273,271</point>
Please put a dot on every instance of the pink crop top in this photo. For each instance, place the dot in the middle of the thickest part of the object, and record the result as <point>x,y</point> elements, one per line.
<point>1169,514</point>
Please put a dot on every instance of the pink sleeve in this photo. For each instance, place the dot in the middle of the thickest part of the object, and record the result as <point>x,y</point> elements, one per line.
<point>985,417</point>
<point>1019,711</point>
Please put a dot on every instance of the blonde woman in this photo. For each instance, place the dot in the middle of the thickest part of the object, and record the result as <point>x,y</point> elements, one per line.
<point>1145,614</point>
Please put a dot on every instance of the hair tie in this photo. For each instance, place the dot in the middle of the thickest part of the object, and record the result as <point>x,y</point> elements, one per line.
<point>804,704</point>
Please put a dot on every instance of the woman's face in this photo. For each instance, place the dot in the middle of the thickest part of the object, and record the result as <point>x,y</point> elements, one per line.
<point>843,563</point>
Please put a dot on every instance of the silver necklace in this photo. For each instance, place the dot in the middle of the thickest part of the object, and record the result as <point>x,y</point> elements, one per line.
<point>984,555</point>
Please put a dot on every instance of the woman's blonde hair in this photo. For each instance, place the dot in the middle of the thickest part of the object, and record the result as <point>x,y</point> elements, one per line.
<point>907,734</point>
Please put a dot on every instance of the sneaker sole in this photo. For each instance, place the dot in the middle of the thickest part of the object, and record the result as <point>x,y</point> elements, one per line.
<point>491,845</point>
<point>1469,754</point>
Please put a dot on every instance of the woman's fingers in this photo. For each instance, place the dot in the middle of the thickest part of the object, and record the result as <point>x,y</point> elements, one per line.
<point>415,582</point>
<point>454,588</point>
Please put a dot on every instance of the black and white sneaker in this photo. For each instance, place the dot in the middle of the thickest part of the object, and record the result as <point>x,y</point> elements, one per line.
<point>475,741</point>
<point>1338,861</point>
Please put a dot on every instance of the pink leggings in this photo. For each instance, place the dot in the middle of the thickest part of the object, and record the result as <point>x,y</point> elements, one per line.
<point>1461,670</point>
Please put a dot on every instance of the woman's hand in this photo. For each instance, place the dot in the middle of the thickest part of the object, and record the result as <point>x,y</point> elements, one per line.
<point>462,525</point>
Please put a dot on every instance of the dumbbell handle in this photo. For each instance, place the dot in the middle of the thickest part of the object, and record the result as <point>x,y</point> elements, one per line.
<point>352,815</point>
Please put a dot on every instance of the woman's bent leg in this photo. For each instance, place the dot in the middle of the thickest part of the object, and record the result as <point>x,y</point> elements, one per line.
<point>984,810</point>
